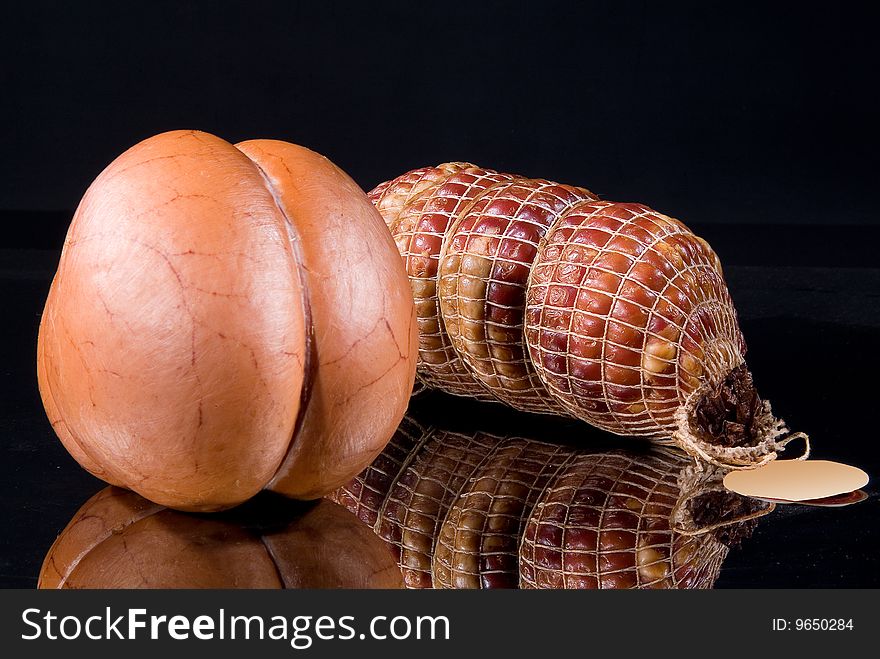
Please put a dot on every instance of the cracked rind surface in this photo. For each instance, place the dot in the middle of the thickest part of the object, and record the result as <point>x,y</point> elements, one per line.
<point>362,314</point>
<point>170,354</point>
<point>107,512</point>
<point>118,539</point>
<point>57,421</point>
<point>210,303</point>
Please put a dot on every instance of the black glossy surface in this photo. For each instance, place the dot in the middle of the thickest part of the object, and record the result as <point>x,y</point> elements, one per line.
<point>812,331</point>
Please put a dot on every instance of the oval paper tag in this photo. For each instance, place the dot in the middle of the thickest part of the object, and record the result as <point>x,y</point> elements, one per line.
<point>796,480</point>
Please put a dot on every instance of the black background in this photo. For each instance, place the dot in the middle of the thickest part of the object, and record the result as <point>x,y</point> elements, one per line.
<point>713,112</point>
<point>755,123</point>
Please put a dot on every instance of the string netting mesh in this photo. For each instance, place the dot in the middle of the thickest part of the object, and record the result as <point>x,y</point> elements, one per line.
<point>480,511</point>
<point>626,311</point>
<point>538,295</point>
<point>391,197</point>
<point>484,268</point>
<point>414,507</point>
<point>419,232</point>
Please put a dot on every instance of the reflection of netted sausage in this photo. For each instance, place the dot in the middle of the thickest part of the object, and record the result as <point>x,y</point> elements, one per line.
<point>411,515</point>
<point>605,523</point>
<point>478,511</point>
<point>538,295</point>
<point>364,496</point>
<point>478,541</point>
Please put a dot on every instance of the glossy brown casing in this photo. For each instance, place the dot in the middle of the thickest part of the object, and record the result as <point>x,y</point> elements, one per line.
<point>225,320</point>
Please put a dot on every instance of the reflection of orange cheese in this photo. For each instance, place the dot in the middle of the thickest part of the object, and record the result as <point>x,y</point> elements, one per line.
<point>796,480</point>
